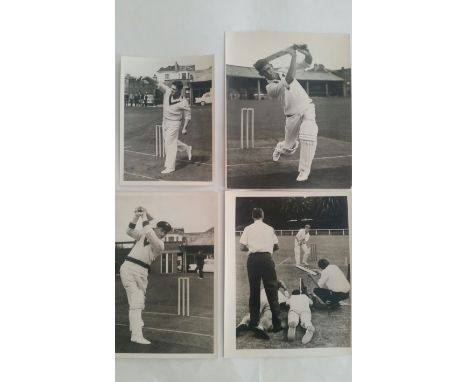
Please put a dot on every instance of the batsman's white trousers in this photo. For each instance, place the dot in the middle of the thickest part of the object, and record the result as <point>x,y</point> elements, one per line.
<point>135,281</point>
<point>297,252</point>
<point>171,142</point>
<point>304,126</point>
<point>305,318</point>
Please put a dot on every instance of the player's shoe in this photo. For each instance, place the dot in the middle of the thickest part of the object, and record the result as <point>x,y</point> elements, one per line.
<point>276,154</point>
<point>303,176</point>
<point>308,335</point>
<point>305,264</point>
<point>240,328</point>
<point>140,340</point>
<point>189,152</point>
<point>260,333</point>
<point>167,171</point>
<point>276,329</point>
<point>292,333</point>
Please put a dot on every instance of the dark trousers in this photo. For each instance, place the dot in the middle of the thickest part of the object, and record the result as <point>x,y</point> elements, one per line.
<point>200,270</point>
<point>328,295</point>
<point>260,266</point>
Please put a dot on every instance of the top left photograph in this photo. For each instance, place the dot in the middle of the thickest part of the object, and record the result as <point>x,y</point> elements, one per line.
<point>166,120</point>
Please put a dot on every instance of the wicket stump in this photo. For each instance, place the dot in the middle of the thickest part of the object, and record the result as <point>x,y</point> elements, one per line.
<point>249,123</point>
<point>160,151</point>
<point>183,296</point>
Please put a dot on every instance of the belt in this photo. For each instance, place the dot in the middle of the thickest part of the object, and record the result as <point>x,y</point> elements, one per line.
<point>260,253</point>
<point>138,262</point>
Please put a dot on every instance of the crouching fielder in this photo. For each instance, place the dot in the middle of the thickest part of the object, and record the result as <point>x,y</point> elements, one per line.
<point>299,312</point>
<point>134,271</point>
<point>298,109</point>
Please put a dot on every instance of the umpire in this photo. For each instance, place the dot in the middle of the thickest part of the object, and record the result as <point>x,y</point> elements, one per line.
<point>260,241</point>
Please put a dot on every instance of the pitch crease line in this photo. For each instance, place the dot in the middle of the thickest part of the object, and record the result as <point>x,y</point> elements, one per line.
<point>172,331</point>
<point>179,160</point>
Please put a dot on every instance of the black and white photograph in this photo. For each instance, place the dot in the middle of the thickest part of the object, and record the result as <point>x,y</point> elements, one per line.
<point>288,263</point>
<point>165,274</point>
<point>288,110</point>
<point>166,120</point>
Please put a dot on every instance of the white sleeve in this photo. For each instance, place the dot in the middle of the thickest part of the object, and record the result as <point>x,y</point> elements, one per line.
<point>323,279</point>
<point>156,243</point>
<point>163,88</point>
<point>274,89</point>
<point>275,238</point>
<point>244,237</point>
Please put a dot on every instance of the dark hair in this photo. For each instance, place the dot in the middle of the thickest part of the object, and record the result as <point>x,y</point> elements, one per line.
<point>179,84</point>
<point>260,64</point>
<point>257,213</point>
<point>323,263</point>
<point>164,226</point>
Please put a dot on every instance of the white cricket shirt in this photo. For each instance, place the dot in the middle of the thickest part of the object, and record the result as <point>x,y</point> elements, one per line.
<point>174,109</point>
<point>302,237</point>
<point>293,97</point>
<point>148,245</point>
<point>259,237</point>
<point>332,278</point>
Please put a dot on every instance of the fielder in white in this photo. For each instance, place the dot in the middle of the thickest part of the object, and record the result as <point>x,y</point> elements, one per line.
<point>266,323</point>
<point>134,271</point>
<point>301,241</point>
<point>298,109</point>
<point>299,313</point>
<point>176,113</point>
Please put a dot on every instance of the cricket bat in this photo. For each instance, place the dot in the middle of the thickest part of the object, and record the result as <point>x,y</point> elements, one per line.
<point>310,271</point>
<point>281,53</point>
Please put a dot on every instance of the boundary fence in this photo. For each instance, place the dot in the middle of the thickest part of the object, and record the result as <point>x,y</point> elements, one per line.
<point>314,232</point>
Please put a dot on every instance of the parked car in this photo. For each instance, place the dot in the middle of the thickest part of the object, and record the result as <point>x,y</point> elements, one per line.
<point>204,99</point>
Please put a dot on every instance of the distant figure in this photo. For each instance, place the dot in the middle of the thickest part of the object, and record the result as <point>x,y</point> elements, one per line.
<point>333,285</point>
<point>132,99</point>
<point>126,99</point>
<point>145,100</point>
<point>200,263</point>
<point>301,240</point>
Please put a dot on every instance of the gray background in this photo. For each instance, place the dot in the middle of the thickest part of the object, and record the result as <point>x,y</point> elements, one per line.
<point>155,28</point>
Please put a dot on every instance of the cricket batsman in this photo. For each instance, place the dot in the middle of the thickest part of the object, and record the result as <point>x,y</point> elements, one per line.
<point>300,241</point>
<point>299,109</point>
<point>135,269</point>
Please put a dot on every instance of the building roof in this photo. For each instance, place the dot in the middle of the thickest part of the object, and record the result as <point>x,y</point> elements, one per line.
<point>177,68</point>
<point>317,73</point>
<point>199,238</point>
<point>202,75</point>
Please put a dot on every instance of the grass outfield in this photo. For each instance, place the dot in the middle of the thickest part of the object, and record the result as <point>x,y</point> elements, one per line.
<point>333,328</point>
<point>140,162</point>
<point>168,332</point>
<point>254,168</point>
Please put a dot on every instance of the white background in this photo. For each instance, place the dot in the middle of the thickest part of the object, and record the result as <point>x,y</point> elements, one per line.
<point>409,187</point>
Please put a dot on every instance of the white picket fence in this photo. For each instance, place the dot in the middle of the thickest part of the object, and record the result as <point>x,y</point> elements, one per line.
<point>315,232</point>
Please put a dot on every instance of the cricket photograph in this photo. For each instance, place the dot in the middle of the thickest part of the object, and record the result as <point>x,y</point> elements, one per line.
<point>288,263</point>
<point>165,274</point>
<point>288,110</point>
<point>166,114</point>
